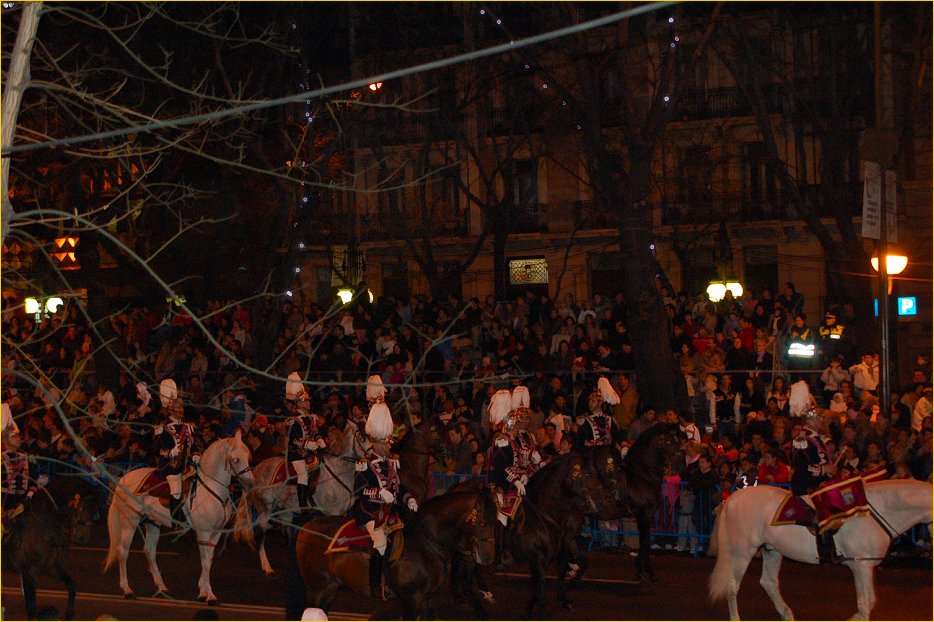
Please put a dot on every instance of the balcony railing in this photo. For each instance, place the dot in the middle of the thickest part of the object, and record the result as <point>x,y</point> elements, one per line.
<point>725,102</point>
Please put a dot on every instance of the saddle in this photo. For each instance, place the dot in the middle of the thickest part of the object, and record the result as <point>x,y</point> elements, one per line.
<point>155,485</point>
<point>351,538</point>
<point>312,463</point>
<point>507,503</point>
<point>834,503</point>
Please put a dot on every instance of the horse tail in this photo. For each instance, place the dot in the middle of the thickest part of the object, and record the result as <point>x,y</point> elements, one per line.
<point>243,525</point>
<point>113,530</point>
<point>721,579</point>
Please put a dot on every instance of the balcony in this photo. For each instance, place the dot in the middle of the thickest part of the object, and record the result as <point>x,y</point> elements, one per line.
<point>720,103</point>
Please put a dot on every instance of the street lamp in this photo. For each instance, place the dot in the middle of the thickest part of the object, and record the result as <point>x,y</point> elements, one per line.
<point>718,289</point>
<point>895,262</point>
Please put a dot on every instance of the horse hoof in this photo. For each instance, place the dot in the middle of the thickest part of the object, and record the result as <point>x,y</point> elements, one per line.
<point>212,602</point>
<point>129,596</point>
<point>202,598</point>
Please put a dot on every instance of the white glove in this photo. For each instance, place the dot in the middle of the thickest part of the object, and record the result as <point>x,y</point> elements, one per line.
<point>536,458</point>
<point>413,504</point>
<point>386,496</point>
<point>322,444</point>
<point>524,480</point>
<point>196,459</point>
<point>310,445</point>
<point>520,487</point>
<point>174,452</point>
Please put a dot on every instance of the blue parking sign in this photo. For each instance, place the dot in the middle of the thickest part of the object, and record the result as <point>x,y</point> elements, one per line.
<point>907,305</point>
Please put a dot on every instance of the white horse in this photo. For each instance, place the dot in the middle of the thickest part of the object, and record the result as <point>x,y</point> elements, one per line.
<point>744,527</point>
<point>208,510</point>
<point>279,500</point>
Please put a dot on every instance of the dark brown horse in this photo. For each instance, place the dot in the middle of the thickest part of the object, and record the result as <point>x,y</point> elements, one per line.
<point>640,487</point>
<point>545,526</point>
<point>415,451</point>
<point>36,542</point>
<point>445,527</point>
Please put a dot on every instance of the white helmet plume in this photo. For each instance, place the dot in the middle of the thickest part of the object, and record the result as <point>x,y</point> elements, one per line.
<point>500,405</point>
<point>168,392</point>
<point>520,398</point>
<point>293,386</point>
<point>799,400</point>
<point>607,392</point>
<point>379,423</point>
<point>375,388</point>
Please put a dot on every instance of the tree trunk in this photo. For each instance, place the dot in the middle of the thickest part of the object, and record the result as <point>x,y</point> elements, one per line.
<point>17,79</point>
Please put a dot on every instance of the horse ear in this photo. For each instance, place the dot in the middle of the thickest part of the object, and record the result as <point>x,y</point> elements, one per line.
<point>238,434</point>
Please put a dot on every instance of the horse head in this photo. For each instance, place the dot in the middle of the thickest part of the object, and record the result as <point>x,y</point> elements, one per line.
<point>655,448</point>
<point>237,461</point>
<point>479,525</point>
<point>79,512</point>
<point>571,482</point>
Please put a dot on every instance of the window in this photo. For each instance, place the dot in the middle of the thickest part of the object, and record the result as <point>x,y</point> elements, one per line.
<point>696,177</point>
<point>525,183</point>
<point>760,189</point>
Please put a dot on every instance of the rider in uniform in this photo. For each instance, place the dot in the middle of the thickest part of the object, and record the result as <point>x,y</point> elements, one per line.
<point>599,430</point>
<point>379,490</point>
<point>19,470</point>
<point>811,461</point>
<point>303,438</point>
<point>174,443</point>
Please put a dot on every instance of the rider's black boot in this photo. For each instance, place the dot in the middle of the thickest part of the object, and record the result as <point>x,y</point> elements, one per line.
<point>376,575</point>
<point>827,550</point>
<point>503,555</point>
<point>175,513</point>
<point>302,497</point>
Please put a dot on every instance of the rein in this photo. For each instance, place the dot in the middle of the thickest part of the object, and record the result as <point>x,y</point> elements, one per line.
<point>324,463</point>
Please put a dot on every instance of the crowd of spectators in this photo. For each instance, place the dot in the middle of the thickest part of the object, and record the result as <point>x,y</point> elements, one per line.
<point>442,361</point>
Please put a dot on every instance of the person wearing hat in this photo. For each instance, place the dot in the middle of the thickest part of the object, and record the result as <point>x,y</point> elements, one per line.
<point>379,490</point>
<point>302,438</point>
<point>20,472</point>
<point>174,443</point>
<point>506,473</point>
<point>598,433</point>
<point>812,465</point>
<point>832,339</point>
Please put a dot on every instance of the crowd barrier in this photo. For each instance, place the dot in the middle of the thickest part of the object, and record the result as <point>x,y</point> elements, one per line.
<point>683,522</point>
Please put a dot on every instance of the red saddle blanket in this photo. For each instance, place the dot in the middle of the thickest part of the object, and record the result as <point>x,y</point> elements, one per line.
<point>793,511</point>
<point>279,476</point>
<point>837,502</point>
<point>508,503</point>
<point>351,537</point>
<point>153,485</point>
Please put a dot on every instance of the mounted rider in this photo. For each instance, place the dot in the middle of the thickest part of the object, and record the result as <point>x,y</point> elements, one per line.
<point>379,491</point>
<point>19,469</point>
<point>812,466</point>
<point>174,443</point>
<point>303,438</point>
<point>598,435</point>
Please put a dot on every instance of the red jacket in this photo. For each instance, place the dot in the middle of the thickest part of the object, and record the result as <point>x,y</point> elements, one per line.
<point>779,471</point>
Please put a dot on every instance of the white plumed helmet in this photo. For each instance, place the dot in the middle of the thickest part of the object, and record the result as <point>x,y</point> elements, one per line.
<point>520,398</point>
<point>374,388</point>
<point>293,386</point>
<point>168,392</point>
<point>379,425</point>
<point>607,392</point>
<point>500,406</point>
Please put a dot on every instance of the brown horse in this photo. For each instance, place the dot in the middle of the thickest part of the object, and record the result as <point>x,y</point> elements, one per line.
<point>446,527</point>
<point>35,544</point>
<point>640,487</point>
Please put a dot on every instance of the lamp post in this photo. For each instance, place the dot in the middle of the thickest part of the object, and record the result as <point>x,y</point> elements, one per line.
<point>895,262</point>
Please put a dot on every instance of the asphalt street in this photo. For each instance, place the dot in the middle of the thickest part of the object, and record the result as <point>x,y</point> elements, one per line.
<point>904,590</point>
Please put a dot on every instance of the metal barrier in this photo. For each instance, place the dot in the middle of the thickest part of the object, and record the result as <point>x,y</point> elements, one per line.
<point>684,522</point>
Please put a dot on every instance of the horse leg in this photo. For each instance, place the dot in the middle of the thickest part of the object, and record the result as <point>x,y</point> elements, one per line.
<point>261,542</point>
<point>644,571</point>
<point>69,583</point>
<point>771,564</point>
<point>537,602</point>
<point>123,551</point>
<point>864,576</point>
<point>151,541</point>
<point>29,594</point>
<point>207,542</point>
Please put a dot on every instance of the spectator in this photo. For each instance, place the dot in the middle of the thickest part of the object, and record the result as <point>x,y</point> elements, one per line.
<point>923,408</point>
<point>865,374</point>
